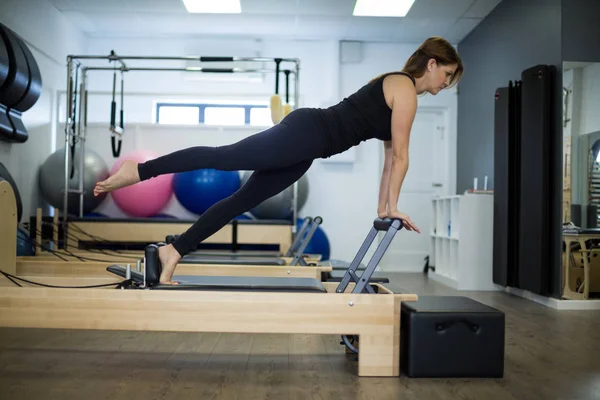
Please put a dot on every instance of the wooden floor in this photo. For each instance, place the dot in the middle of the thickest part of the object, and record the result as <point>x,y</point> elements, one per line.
<point>549,355</point>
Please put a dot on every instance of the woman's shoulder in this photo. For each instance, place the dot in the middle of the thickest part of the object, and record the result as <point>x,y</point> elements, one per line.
<point>398,84</point>
<point>398,77</point>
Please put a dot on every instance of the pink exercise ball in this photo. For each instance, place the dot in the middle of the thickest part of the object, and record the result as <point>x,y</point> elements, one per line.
<point>146,198</point>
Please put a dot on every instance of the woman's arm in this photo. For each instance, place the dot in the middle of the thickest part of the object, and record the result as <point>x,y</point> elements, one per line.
<point>384,187</point>
<point>404,108</point>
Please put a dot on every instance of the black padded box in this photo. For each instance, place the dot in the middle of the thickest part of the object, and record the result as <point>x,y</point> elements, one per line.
<point>451,336</point>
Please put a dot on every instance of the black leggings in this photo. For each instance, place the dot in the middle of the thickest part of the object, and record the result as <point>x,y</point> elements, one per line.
<point>279,156</point>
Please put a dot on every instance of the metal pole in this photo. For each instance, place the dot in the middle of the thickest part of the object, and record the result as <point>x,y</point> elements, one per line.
<point>189,69</point>
<point>181,58</point>
<point>295,198</point>
<point>296,85</point>
<point>67,141</point>
<point>81,137</point>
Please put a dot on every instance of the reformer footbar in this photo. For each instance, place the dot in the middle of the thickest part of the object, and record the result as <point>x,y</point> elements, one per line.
<point>336,275</point>
<point>362,281</point>
<point>152,270</point>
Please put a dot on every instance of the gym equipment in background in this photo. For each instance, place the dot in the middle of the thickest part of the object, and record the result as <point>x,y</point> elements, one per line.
<point>51,180</point>
<point>135,233</point>
<point>198,190</point>
<point>280,206</point>
<point>298,239</point>
<point>146,198</point>
<point>535,185</point>
<point>25,246</point>
<point>296,250</point>
<point>20,85</point>
<point>522,210</point>
<point>275,101</point>
<point>116,131</point>
<point>318,242</point>
<point>79,66</point>
<point>4,174</point>
<point>507,133</point>
<point>287,108</point>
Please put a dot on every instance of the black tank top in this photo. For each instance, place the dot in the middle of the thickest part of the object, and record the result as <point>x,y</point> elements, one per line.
<point>361,116</point>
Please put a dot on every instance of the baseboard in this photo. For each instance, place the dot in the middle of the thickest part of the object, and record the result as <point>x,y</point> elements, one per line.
<point>443,279</point>
<point>557,304</point>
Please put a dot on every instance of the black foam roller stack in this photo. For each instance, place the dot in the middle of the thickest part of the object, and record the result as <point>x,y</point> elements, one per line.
<point>20,85</point>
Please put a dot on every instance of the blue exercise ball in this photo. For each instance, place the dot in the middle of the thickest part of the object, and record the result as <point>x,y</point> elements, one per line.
<point>319,243</point>
<point>244,216</point>
<point>198,190</point>
<point>25,246</point>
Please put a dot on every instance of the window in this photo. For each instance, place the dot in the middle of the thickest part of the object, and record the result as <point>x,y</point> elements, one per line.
<point>213,114</point>
<point>224,116</point>
<point>178,115</point>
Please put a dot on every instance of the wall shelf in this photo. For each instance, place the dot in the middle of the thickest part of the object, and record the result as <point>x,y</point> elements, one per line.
<point>461,241</point>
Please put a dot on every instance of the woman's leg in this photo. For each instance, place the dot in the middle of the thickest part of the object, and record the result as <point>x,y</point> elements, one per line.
<point>260,186</point>
<point>293,140</point>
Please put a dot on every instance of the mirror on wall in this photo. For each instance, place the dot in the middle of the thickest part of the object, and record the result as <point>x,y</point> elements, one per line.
<point>581,144</point>
<point>581,180</point>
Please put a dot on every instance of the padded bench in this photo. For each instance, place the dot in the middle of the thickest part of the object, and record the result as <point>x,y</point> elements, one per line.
<point>451,336</point>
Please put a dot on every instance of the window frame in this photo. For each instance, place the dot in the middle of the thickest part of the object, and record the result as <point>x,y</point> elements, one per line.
<point>203,106</point>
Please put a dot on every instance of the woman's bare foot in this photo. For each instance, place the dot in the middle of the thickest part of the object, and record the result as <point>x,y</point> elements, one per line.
<point>125,176</point>
<point>169,257</point>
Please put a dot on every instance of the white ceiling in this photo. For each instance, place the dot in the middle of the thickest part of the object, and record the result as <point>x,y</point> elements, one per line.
<point>289,19</point>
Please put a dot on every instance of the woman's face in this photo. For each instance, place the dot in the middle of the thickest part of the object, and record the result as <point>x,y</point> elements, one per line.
<point>439,76</point>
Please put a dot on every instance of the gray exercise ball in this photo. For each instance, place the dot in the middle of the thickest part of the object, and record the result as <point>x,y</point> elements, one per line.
<point>280,205</point>
<point>52,180</point>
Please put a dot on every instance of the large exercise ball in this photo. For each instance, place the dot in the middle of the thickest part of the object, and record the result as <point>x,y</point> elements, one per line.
<point>52,180</point>
<point>198,190</point>
<point>318,244</point>
<point>244,216</point>
<point>146,198</point>
<point>280,205</point>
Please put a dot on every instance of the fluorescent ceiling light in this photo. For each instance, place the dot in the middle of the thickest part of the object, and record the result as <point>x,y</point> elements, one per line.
<point>213,6</point>
<point>382,8</point>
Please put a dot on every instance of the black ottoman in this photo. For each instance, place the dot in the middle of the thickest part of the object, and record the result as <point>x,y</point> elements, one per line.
<point>451,336</point>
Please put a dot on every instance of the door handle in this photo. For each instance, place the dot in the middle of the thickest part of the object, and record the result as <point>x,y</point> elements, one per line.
<point>436,184</point>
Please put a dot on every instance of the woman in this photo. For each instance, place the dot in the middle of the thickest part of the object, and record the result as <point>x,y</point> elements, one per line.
<point>383,109</point>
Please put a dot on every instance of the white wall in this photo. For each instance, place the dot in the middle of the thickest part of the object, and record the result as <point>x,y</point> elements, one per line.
<point>49,36</point>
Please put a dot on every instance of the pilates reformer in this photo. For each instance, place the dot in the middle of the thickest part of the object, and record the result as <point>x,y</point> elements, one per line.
<point>296,252</point>
<point>252,253</point>
<point>201,257</point>
<point>153,268</point>
<point>354,308</point>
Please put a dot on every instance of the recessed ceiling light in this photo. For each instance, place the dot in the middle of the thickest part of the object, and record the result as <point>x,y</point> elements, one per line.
<point>213,6</point>
<point>382,8</point>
